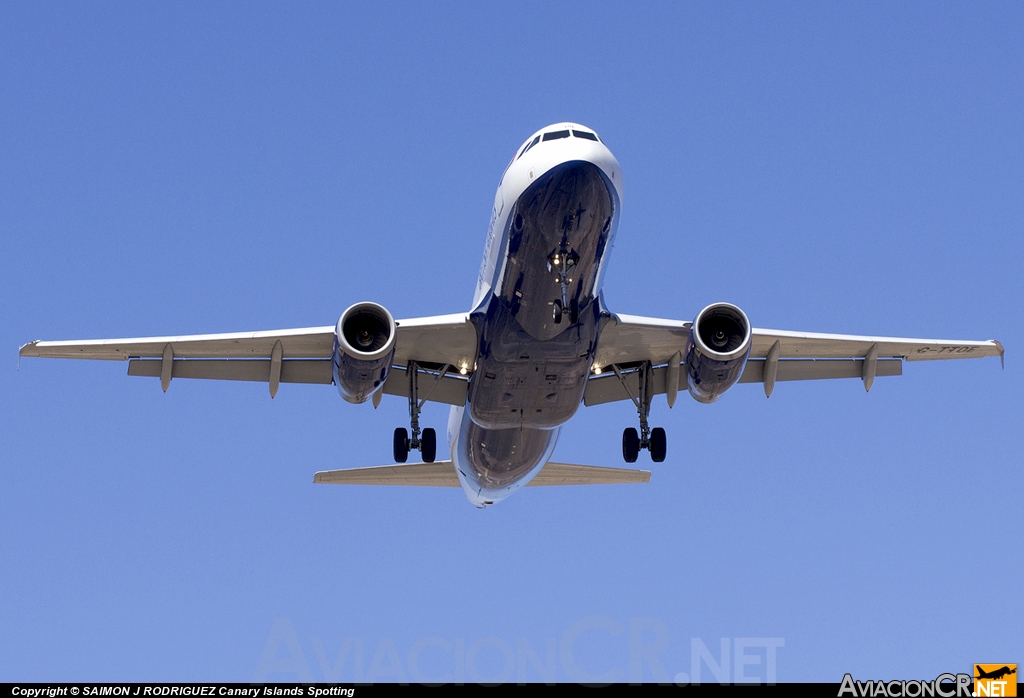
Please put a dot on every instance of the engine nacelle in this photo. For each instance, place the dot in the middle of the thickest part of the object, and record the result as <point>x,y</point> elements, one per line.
<point>364,346</point>
<point>716,351</point>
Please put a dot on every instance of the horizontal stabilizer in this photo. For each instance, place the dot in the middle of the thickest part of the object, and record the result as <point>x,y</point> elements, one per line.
<point>569,474</point>
<point>437,474</point>
<point>442,474</point>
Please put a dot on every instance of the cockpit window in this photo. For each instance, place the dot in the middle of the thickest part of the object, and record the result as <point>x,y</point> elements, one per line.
<point>528,146</point>
<point>554,136</point>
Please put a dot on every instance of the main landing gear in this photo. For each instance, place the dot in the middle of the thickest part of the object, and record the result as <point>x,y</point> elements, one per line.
<point>425,443</point>
<point>652,439</point>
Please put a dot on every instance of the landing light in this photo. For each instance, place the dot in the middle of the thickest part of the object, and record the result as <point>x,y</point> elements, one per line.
<point>462,371</point>
<point>597,370</point>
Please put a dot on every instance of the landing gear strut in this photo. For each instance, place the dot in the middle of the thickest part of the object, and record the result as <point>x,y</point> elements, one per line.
<point>427,443</point>
<point>652,439</point>
<point>563,261</point>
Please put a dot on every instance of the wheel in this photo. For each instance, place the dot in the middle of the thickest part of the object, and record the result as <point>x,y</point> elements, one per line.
<point>574,311</point>
<point>630,445</point>
<point>658,444</point>
<point>428,445</point>
<point>401,445</point>
<point>556,312</point>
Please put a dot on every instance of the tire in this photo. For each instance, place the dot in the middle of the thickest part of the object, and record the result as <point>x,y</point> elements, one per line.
<point>574,311</point>
<point>401,451</point>
<point>556,312</point>
<point>659,445</point>
<point>630,445</point>
<point>428,445</point>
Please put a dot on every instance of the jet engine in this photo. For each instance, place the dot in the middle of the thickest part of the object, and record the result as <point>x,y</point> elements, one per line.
<point>364,346</point>
<point>716,351</point>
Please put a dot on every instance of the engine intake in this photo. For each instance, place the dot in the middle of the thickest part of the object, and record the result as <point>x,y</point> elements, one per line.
<point>716,351</point>
<point>364,347</point>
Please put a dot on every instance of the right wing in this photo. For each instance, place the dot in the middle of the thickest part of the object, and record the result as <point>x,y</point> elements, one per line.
<point>627,340</point>
<point>442,474</point>
<point>293,356</point>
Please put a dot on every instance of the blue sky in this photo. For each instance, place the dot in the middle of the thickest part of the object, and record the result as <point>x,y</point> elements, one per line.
<point>193,168</point>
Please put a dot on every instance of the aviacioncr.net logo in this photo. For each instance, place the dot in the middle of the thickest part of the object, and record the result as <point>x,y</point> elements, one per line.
<point>943,686</point>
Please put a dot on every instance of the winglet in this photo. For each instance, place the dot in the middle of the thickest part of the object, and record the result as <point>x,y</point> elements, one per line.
<point>1002,352</point>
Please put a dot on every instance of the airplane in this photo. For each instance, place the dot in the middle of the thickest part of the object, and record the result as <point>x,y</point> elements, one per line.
<point>538,343</point>
<point>996,674</point>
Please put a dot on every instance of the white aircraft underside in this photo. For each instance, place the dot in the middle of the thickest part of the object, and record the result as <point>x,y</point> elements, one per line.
<point>537,343</point>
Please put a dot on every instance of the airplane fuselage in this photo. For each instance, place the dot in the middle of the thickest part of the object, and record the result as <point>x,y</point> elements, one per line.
<point>537,308</point>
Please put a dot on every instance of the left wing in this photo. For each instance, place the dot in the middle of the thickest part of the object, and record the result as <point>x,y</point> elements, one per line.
<point>628,340</point>
<point>286,356</point>
<point>307,343</point>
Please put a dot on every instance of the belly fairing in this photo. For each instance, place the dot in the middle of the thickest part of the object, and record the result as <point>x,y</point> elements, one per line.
<point>493,462</point>
<point>522,382</point>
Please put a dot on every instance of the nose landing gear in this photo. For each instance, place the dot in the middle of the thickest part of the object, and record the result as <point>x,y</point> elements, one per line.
<point>563,261</point>
<point>558,308</point>
<point>654,439</point>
